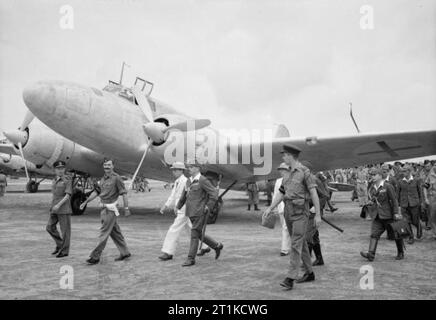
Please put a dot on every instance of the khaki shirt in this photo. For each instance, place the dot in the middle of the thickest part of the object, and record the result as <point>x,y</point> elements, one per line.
<point>111,187</point>
<point>296,191</point>
<point>59,188</point>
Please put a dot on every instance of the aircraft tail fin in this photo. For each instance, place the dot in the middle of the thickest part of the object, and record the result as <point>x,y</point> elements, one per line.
<point>280,131</point>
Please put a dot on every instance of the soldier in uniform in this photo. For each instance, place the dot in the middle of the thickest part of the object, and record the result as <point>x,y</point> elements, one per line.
<point>411,199</point>
<point>199,197</point>
<point>312,233</point>
<point>181,222</point>
<point>296,191</point>
<point>60,210</point>
<point>111,186</point>
<point>386,174</point>
<point>430,198</point>
<point>383,199</point>
<point>253,195</point>
<point>3,183</point>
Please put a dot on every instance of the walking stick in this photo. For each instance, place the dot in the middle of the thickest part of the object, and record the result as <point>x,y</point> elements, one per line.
<point>331,224</point>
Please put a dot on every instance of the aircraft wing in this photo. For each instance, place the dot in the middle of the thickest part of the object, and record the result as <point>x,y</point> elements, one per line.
<point>7,148</point>
<point>326,153</point>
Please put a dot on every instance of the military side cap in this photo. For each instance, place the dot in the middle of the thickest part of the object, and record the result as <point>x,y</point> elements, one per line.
<point>291,149</point>
<point>178,166</point>
<point>283,166</point>
<point>375,171</point>
<point>59,164</point>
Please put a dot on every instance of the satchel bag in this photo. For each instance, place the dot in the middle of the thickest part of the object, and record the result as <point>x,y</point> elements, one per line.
<point>401,229</point>
<point>269,221</point>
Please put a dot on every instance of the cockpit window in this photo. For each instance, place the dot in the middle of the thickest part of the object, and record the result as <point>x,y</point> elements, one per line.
<point>122,91</point>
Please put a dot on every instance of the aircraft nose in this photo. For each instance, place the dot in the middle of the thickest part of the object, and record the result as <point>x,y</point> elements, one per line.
<point>40,97</point>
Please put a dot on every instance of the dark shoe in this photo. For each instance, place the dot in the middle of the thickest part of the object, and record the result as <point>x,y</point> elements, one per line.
<point>318,262</point>
<point>333,209</point>
<point>307,277</point>
<point>188,263</point>
<point>203,252</point>
<point>427,228</point>
<point>56,251</point>
<point>282,254</point>
<point>400,256</point>
<point>288,283</point>
<point>368,255</point>
<point>165,257</point>
<point>92,261</point>
<point>121,257</point>
<point>61,255</point>
<point>218,249</point>
<point>411,241</point>
<point>249,207</point>
<point>256,208</point>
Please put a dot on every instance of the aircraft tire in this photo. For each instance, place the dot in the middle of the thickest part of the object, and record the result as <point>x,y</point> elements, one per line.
<point>32,186</point>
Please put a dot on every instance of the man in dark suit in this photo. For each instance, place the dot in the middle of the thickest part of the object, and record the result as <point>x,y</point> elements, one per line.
<point>384,210</point>
<point>411,199</point>
<point>199,197</point>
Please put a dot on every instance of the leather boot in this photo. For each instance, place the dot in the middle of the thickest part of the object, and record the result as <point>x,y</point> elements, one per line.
<point>319,260</point>
<point>419,230</point>
<point>400,249</point>
<point>256,208</point>
<point>249,207</point>
<point>370,255</point>
<point>411,239</point>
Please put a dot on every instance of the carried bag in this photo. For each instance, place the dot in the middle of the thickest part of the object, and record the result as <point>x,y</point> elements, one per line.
<point>269,221</point>
<point>401,229</point>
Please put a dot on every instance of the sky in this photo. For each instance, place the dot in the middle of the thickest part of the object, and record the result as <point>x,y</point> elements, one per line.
<point>242,64</point>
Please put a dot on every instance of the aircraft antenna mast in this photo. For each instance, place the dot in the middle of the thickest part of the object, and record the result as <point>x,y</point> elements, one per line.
<point>352,118</point>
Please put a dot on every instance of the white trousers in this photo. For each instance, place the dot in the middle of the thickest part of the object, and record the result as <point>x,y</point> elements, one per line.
<point>286,238</point>
<point>181,222</point>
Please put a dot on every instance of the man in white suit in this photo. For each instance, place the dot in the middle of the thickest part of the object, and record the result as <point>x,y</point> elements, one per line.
<point>286,239</point>
<point>181,222</point>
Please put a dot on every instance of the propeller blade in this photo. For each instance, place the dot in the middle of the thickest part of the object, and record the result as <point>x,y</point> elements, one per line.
<point>27,120</point>
<point>143,103</point>
<point>20,147</point>
<point>192,124</point>
<point>139,166</point>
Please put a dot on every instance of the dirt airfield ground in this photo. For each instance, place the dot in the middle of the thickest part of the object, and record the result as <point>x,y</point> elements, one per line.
<point>249,268</point>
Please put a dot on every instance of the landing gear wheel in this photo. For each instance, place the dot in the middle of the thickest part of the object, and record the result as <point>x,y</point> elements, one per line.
<point>76,200</point>
<point>32,186</point>
<point>214,214</point>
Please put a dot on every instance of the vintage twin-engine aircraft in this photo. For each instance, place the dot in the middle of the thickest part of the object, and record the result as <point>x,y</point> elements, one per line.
<point>133,128</point>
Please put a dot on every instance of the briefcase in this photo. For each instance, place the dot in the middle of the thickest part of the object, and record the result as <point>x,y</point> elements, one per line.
<point>269,221</point>
<point>401,229</point>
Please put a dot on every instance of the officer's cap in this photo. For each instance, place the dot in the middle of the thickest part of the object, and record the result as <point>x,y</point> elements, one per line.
<point>291,150</point>
<point>178,166</point>
<point>283,166</point>
<point>59,164</point>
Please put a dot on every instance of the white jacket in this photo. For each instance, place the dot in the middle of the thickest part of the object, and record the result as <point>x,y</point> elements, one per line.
<point>176,193</point>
